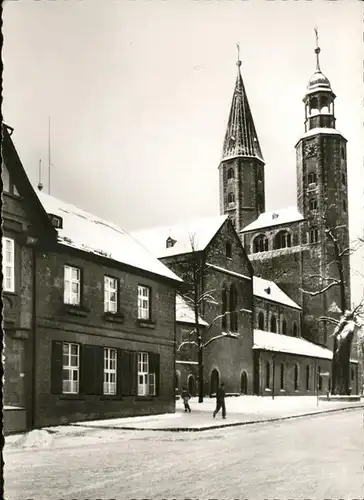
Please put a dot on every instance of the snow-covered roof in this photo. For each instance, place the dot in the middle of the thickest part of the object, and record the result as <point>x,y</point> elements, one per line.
<point>267,289</point>
<point>293,345</point>
<point>320,130</point>
<point>89,233</point>
<point>275,218</point>
<point>227,271</point>
<point>185,313</point>
<point>200,230</point>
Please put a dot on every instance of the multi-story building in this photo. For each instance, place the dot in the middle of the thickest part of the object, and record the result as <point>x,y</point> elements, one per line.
<point>89,313</point>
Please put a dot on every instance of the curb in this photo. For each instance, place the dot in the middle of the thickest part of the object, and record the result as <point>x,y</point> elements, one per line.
<point>211,427</point>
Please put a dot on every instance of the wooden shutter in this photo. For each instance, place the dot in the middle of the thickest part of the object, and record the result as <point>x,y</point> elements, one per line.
<point>122,376</point>
<point>56,367</point>
<point>91,369</point>
<point>133,373</point>
<point>154,362</point>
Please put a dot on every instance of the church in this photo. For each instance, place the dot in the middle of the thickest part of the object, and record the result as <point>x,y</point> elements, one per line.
<point>290,257</point>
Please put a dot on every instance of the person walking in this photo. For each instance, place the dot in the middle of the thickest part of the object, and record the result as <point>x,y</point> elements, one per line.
<point>186,397</point>
<point>220,401</point>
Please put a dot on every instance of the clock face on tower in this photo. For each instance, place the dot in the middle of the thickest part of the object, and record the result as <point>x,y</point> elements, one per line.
<point>310,150</point>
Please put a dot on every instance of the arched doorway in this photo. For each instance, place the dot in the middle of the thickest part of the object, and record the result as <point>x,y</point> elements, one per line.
<point>191,385</point>
<point>214,385</point>
<point>244,383</point>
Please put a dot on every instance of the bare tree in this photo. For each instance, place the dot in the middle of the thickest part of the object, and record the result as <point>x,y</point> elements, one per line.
<point>195,296</point>
<point>344,326</point>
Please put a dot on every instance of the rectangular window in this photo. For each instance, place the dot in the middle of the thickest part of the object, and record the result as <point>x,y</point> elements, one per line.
<point>72,285</point>
<point>110,361</point>
<point>8,265</point>
<point>143,374</point>
<point>110,294</point>
<point>71,368</point>
<point>143,302</point>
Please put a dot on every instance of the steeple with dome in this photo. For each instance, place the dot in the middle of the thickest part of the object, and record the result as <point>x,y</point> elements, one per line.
<point>319,98</point>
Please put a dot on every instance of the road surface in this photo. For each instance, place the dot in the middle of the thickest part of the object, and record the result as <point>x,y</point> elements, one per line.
<point>319,457</point>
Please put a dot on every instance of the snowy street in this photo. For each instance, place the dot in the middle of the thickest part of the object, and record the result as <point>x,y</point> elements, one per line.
<point>313,457</point>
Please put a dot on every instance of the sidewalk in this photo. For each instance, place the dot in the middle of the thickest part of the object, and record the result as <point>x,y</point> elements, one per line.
<point>242,410</point>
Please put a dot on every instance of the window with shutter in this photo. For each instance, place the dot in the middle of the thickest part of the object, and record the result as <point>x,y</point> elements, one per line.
<point>56,367</point>
<point>91,369</point>
<point>154,370</point>
<point>71,367</point>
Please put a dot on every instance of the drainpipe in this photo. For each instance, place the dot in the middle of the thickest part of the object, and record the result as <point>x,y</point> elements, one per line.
<point>34,336</point>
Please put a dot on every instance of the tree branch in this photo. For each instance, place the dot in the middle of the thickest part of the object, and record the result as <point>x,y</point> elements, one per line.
<point>222,336</point>
<point>319,292</point>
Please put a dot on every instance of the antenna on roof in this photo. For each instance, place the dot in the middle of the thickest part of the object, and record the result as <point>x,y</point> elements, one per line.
<point>40,185</point>
<point>49,155</point>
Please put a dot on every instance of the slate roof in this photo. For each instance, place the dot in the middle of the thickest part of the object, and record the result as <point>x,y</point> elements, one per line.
<point>241,138</point>
<point>92,234</point>
<point>267,289</point>
<point>200,230</point>
<point>275,218</point>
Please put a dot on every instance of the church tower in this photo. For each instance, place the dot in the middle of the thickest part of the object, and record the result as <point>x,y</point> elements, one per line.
<point>322,198</point>
<point>241,170</point>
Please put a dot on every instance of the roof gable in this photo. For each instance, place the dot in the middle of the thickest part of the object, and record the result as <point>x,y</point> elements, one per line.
<point>89,233</point>
<point>19,178</point>
<point>190,236</point>
<point>268,290</point>
<point>275,218</point>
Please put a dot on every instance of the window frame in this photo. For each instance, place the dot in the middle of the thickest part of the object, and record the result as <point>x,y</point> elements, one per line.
<point>110,372</point>
<point>296,377</point>
<point>141,299</point>
<point>313,235</point>
<point>107,293</point>
<point>229,172</point>
<point>260,243</point>
<point>312,204</point>
<point>231,197</point>
<point>8,265</point>
<point>282,378</point>
<point>261,315</point>
<point>68,300</point>
<point>267,375</point>
<point>71,368</point>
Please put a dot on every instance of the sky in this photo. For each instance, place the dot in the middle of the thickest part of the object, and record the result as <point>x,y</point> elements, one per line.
<point>139,91</point>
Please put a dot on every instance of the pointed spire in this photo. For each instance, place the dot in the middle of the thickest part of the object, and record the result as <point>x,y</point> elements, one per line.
<point>318,80</point>
<point>241,138</point>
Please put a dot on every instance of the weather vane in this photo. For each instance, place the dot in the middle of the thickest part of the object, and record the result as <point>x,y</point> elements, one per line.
<point>238,47</point>
<point>317,50</point>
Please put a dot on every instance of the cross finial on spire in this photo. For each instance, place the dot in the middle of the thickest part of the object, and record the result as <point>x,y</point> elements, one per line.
<point>238,63</point>
<point>317,51</point>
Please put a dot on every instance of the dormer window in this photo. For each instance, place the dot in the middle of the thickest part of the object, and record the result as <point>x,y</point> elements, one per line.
<point>275,216</point>
<point>170,242</point>
<point>56,221</point>
<point>8,185</point>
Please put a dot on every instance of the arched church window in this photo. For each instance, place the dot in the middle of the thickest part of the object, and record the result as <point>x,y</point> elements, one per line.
<point>223,307</point>
<point>230,173</point>
<point>295,329</point>
<point>231,198</point>
<point>273,324</point>
<point>313,235</point>
<point>296,377</point>
<point>284,326</point>
<point>343,179</point>
<point>233,309</point>
<point>344,205</point>
<point>312,204</point>
<point>260,244</point>
<point>261,321</point>
<point>314,104</point>
<point>260,203</point>
<point>312,178</point>
<point>282,376</point>
<point>324,104</point>
<point>283,240</point>
<point>307,378</point>
<point>267,375</point>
